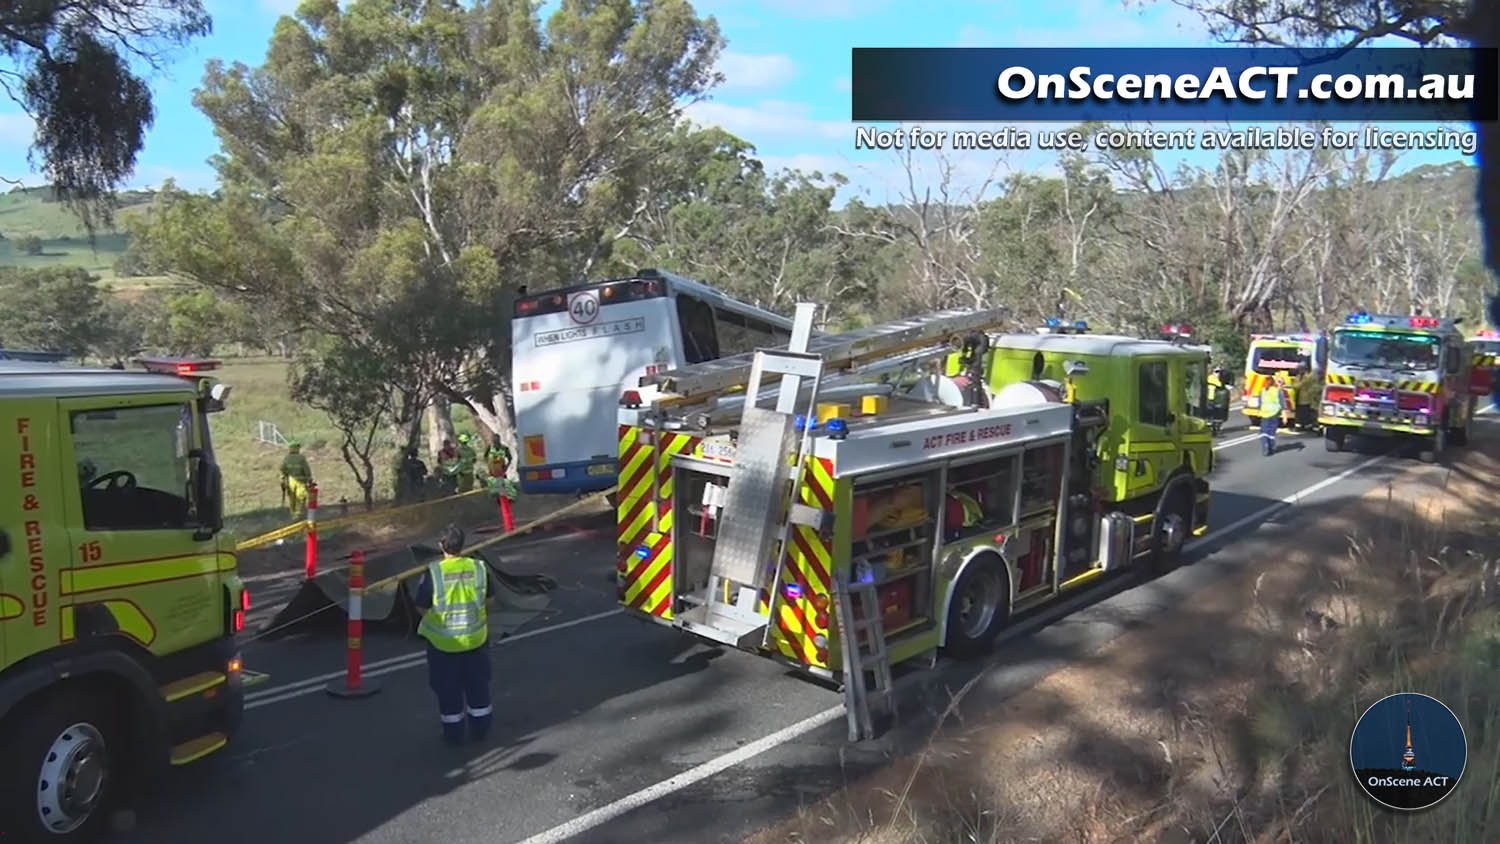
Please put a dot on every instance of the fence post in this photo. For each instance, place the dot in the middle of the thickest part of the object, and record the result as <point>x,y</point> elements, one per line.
<point>310,564</point>
<point>353,685</point>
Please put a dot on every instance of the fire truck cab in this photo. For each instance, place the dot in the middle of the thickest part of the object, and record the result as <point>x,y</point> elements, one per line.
<point>119,593</point>
<point>958,506</point>
<point>1302,357</point>
<point>1398,376</point>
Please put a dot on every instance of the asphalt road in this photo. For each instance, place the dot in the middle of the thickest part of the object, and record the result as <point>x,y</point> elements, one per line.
<point>614,730</point>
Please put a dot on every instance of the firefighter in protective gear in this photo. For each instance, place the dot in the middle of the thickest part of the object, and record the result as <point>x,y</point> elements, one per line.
<point>1273,403</point>
<point>455,624</point>
<point>411,475</point>
<point>447,466</point>
<point>1218,397</point>
<point>466,460</point>
<point>497,466</point>
<point>296,479</point>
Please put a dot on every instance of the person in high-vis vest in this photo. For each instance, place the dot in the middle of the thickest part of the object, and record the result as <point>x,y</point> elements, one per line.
<point>455,624</point>
<point>1273,403</point>
<point>296,480</point>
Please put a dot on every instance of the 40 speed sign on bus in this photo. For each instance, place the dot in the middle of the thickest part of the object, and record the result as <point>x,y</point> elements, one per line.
<point>583,306</point>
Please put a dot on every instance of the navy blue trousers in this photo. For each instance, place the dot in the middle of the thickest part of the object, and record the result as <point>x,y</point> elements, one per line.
<point>461,682</point>
<point>1268,426</point>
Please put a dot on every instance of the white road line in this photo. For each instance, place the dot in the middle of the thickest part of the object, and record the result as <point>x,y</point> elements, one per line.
<point>673,784</point>
<point>609,812</point>
<point>310,685</point>
<point>1244,439</point>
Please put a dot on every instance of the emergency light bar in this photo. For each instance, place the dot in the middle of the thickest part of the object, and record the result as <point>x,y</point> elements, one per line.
<point>1177,329</point>
<point>1360,318</point>
<point>1487,334</point>
<point>177,366</point>
<point>1053,325</point>
<point>1424,322</point>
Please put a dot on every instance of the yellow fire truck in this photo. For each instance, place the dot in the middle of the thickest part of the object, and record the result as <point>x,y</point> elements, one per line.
<point>938,508</point>
<point>119,597</point>
<point>1398,376</point>
<point>1304,359</point>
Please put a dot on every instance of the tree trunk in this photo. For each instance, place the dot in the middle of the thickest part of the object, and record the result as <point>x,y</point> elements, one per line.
<point>439,423</point>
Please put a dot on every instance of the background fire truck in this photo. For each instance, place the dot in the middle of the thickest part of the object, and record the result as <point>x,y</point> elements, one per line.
<point>1398,376</point>
<point>923,519</point>
<point>1303,357</point>
<point>119,597</point>
<point>1484,358</point>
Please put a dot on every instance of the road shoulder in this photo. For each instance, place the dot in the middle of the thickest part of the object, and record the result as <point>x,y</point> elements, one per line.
<point>1233,710</point>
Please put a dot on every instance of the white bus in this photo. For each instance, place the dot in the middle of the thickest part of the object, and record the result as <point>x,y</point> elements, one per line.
<point>576,349</point>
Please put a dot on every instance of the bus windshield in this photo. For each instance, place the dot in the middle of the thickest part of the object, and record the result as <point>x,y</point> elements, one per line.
<point>1267,360</point>
<point>1386,349</point>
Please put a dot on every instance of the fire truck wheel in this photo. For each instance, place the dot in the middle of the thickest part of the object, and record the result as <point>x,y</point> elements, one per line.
<point>1333,441</point>
<point>62,780</point>
<point>980,607</point>
<point>1460,435</point>
<point>1170,532</point>
<point>1434,445</point>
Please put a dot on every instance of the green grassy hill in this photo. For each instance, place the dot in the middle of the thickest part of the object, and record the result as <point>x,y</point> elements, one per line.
<point>28,212</point>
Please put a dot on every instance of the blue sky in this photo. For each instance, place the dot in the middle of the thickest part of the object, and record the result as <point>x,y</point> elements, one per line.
<point>786,68</point>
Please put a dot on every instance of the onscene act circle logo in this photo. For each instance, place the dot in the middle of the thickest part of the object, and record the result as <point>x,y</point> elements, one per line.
<point>1408,751</point>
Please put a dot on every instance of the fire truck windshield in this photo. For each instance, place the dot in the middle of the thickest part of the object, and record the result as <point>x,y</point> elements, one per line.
<point>1386,349</point>
<point>1268,360</point>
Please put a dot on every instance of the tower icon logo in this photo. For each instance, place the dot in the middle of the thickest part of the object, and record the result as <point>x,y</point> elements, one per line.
<point>1408,751</point>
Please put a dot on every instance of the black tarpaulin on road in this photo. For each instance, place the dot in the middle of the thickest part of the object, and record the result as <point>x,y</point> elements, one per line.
<point>322,603</point>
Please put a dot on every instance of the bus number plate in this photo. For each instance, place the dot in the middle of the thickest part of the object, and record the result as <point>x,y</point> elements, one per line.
<point>718,449</point>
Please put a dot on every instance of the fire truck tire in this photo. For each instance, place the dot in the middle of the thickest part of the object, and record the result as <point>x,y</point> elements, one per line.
<point>1333,440</point>
<point>979,609</point>
<point>1170,532</point>
<point>66,753</point>
<point>1435,445</point>
<point>1460,435</point>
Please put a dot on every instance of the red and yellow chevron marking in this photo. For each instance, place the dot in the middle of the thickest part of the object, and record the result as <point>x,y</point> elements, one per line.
<point>1339,378</point>
<point>803,616</point>
<point>646,578</point>
<point>1430,387</point>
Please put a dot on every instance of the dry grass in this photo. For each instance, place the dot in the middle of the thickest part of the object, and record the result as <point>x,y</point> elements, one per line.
<point>1228,719</point>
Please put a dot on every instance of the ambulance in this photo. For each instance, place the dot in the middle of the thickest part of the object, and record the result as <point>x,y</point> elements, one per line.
<point>1302,357</point>
<point>119,593</point>
<point>955,500</point>
<point>1398,376</point>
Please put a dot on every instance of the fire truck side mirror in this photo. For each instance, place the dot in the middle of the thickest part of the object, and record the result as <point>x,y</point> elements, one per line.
<point>1075,368</point>
<point>210,499</point>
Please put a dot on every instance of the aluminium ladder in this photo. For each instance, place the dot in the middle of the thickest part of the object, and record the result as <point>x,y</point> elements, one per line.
<point>837,351</point>
<point>862,640</point>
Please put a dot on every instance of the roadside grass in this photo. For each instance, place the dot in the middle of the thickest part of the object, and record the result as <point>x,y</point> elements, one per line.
<point>1228,719</point>
<point>252,468</point>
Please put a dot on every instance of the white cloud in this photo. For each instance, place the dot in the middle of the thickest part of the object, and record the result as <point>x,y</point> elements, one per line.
<point>843,84</point>
<point>769,120</point>
<point>16,129</point>
<point>750,72</point>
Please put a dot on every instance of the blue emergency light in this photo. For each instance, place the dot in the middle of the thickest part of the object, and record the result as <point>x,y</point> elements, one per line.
<point>642,551</point>
<point>1360,318</point>
<point>1052,322</point>
<point>1081,325</point>
<point>837,429</point>
<point>802,422</point>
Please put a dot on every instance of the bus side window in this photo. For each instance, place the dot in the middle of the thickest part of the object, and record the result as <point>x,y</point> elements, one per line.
<point>699,342</point>
<point>740,334</point>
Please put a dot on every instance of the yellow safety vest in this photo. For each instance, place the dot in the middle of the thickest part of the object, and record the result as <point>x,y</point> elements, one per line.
<point>457,620</point>
<point>973,513</point>
<point>1270,399</point>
